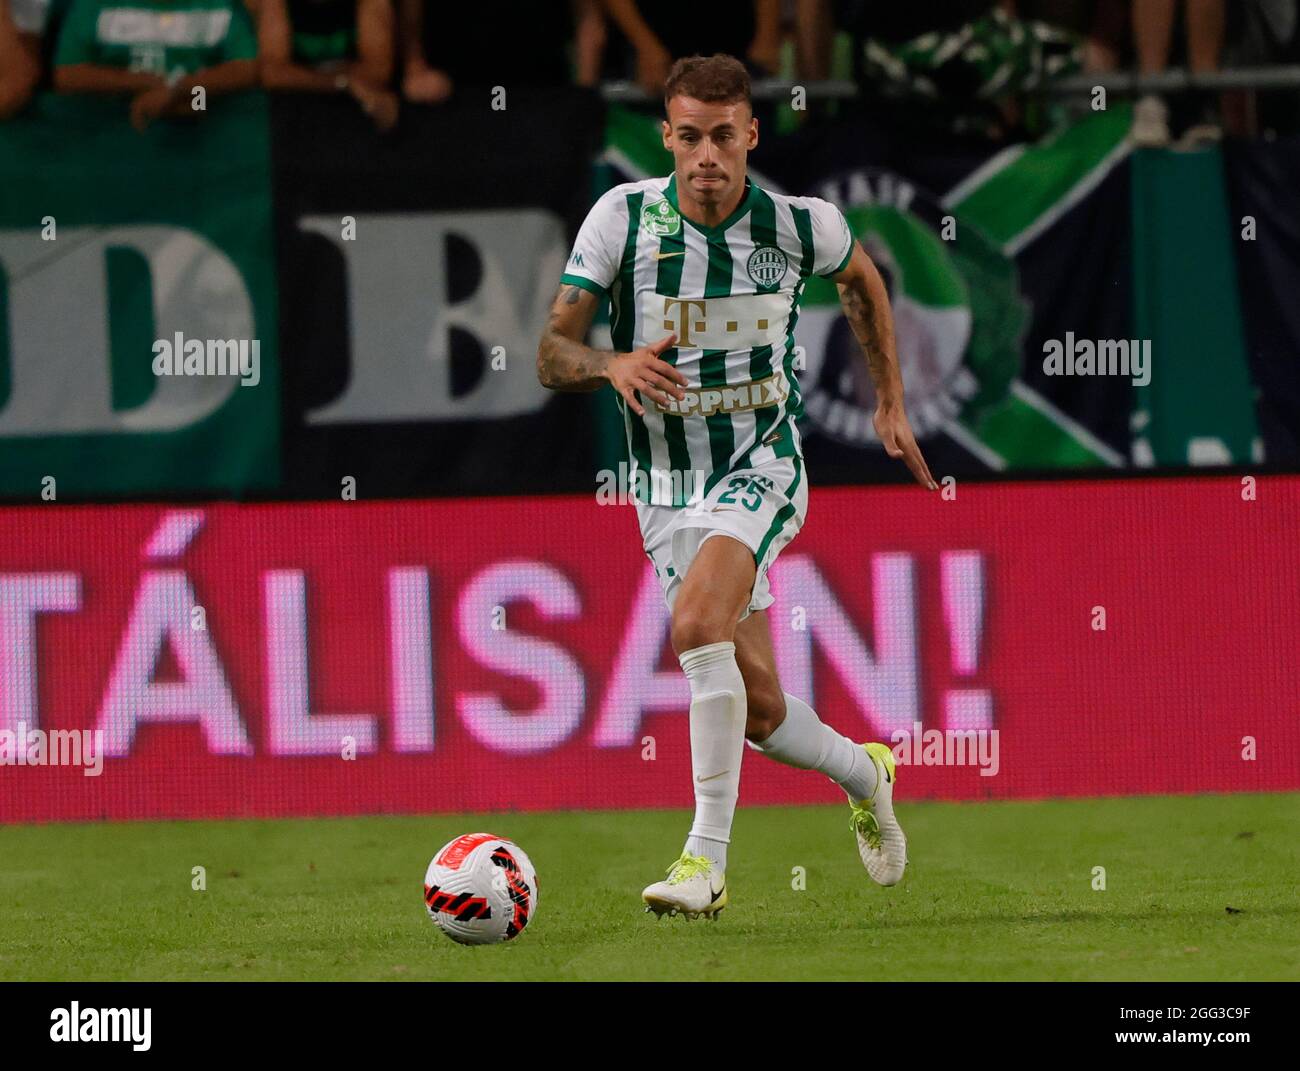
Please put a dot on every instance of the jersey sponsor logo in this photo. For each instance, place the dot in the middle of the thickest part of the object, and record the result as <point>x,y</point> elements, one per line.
<point>660,220</point>
<point>198,28</point>
<point>705,401</point>
<point>576,260</point>
<point>738,322</point>
<point>665,256</point>
<point>767,265</point>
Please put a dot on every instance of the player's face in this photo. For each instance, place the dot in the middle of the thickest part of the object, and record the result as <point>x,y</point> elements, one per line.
<point>709,143</point>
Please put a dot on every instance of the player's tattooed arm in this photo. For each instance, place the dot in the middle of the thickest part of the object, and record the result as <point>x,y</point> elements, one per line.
<point>565,363</point>
<point>866,306</point>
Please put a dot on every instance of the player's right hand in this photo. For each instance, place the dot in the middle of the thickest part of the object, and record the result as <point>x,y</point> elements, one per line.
<point>643,370</point>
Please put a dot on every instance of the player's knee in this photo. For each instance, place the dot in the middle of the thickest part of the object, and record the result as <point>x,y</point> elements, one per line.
<point>697,627</point>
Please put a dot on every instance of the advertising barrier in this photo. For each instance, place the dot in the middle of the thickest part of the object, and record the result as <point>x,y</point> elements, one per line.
<point>1011,641</point>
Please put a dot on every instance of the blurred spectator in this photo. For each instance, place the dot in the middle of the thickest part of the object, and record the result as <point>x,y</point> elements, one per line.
<point>448,46</point>
<point>21,24</point>
<point>331,46</point>
<point>1102,25</point>
<point>660,31</point>
<point>964,66</point>
<point>156,51</point>
<point>1261,32</point>
<point>1153,25</point>
<point>1103,44</point>
<point>814,34</point>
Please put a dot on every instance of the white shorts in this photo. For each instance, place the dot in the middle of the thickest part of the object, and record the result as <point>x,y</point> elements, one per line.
<point>763,507</point>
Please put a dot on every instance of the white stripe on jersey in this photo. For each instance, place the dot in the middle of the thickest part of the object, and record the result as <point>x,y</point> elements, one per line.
<point>694,272</point>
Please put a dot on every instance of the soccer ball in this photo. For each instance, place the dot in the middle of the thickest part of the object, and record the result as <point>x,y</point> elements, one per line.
<point>481,889</point>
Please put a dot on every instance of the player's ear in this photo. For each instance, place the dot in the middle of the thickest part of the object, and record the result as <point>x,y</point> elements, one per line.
<point>667,131</point>
<point>753,131</point>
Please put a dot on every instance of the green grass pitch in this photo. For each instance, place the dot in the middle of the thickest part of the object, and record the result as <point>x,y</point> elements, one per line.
<point>993,891</point>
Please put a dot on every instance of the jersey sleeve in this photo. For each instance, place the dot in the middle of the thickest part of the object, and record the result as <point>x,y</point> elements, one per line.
<point>598,250</point>
<point>832,238</point>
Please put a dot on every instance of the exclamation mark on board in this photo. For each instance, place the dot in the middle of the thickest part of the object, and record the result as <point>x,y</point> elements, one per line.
<point>962,577</point>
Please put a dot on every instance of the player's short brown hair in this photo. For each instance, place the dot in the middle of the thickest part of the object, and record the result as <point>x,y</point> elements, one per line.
<point>717,79</point>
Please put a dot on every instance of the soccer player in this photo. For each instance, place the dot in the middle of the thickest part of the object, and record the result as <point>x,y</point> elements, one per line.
<point>704,271</point>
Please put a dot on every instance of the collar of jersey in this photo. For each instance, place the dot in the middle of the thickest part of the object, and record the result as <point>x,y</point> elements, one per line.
<point>746,202</point>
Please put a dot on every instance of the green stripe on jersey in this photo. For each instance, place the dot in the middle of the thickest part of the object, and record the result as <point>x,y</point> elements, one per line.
<point>586,284</point>
<point>622,324</point>
<point>713,364</point>
<point>803,227</point>
<point>669,283</point>
<point>763,229</point>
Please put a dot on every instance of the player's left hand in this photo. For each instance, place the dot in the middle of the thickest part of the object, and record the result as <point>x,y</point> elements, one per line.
<point>896,435</point>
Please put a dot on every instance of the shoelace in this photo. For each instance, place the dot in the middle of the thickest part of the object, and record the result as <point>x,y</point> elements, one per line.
<point>864,822</point>
<point>687,867</point>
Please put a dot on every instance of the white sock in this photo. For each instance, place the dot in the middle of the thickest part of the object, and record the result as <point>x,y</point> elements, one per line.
<point>717,745</point>
<point>713,850</point>
<point>805,741</point>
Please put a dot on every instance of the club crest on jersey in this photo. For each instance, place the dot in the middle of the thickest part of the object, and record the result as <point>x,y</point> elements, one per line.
<point>766,265</point>
<point>659,220</point>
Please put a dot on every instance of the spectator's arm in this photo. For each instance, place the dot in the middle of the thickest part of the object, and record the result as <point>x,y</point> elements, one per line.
<point>814,38</point>
<point>634,27</point>
<point>275,44</point>
<point>765,49</point>
<point>589,41</point>
<point>19,66</point>
<point>95,78</point>
<point>229,77</point>
<point>411,15</point>
<point>653,59</point>
<point>374,42</point>
<point>239,67</point>
<point>420,82</point>
<point>174,99</point>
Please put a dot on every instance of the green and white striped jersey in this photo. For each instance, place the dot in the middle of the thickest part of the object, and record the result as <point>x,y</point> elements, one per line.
<point>731,295</point>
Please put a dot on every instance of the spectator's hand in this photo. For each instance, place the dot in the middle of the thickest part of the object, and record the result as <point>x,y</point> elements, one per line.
<point>150,105</point>
<point>379,104</point>
<point>424,85</point>
<point>765,52</point>
<point>652,65</point>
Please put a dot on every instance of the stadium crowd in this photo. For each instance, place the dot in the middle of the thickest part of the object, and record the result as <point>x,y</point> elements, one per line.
<point>942,57</point>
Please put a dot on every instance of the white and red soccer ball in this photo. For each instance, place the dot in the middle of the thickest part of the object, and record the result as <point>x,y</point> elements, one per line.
<point>481,889</point>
